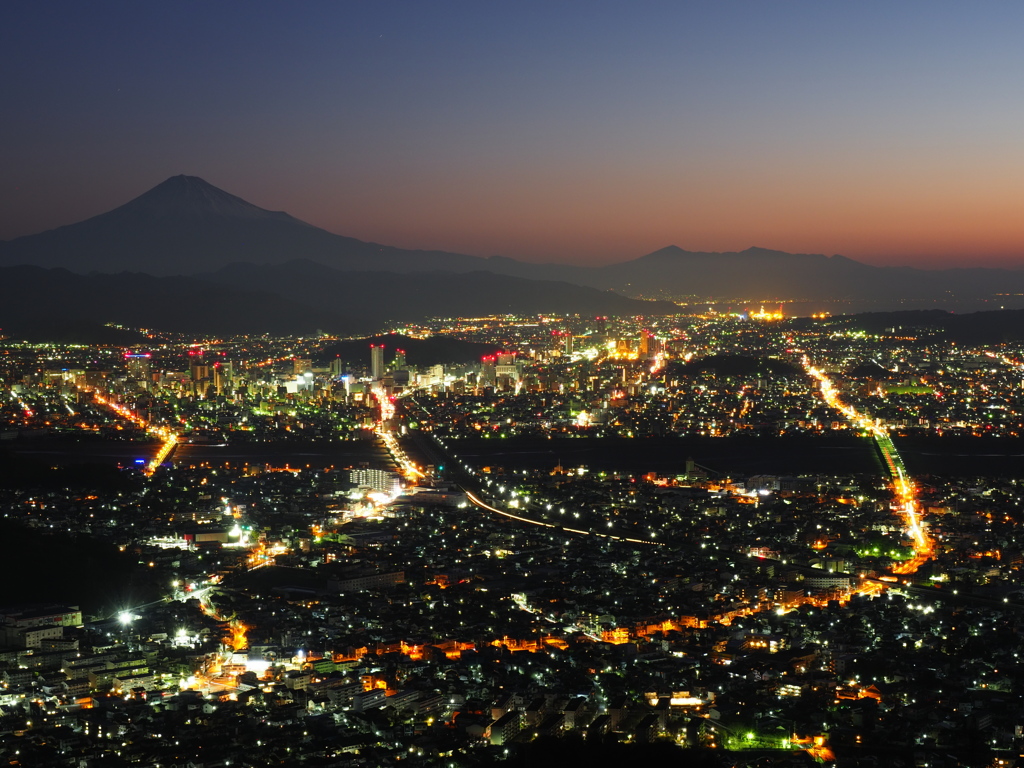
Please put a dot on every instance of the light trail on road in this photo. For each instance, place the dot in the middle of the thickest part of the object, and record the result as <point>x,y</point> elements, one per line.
<point>903,485</point>
<point>478,502</point>
<point>168,436</point>
<point>387,413</point>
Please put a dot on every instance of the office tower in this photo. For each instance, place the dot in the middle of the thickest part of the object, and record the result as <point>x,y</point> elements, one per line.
<point>646,343</point>
<point>138,366</point>
<point>507,371</point>
<point>376,362</point>
<point>488,372</point>
<point>223,376</point>
<point>200,372</point>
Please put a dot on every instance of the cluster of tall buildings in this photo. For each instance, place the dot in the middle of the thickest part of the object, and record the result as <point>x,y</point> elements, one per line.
<point>399,375</point>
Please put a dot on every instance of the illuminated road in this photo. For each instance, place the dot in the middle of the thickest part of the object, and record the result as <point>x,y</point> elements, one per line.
<point>444,457</point>
<point>383,430</point>
<point>168,437</point>
<point>903,486</point>
<point>478,502</point>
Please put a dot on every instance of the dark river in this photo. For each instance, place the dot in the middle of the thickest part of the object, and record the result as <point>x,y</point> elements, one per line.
<point>60,450</point>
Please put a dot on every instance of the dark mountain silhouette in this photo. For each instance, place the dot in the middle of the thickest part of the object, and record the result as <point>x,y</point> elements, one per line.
<point>297,298</point>
<point>61,329</point>
<point>377,297</point>
<point>185,225</point>
<point>760,273</point>
<point>430,351</point>
<point>40,301</point>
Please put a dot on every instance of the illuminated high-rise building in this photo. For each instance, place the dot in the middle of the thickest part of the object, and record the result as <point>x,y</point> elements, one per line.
<point>138,365</point>
<point>506,370</point>
<point>488,373</point>
<point>646,343</point>
<point>376,362</point>
<point>399,359</point>
<point>378,479</point>
<point>223,376</point>
<point>200,372</point>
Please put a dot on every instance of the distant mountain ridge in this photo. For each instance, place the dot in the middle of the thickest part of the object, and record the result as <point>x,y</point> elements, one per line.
<point>296,298</point>
<point>190,196</point>
<point>187,226</point>
<point>377,297</point>
<point>51,304</point>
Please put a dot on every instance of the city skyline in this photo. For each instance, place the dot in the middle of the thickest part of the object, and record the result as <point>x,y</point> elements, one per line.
<point>567,134</point>
<point>724,539</point>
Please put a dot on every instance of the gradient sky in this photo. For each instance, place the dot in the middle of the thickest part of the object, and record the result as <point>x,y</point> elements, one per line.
<point>890,132</point>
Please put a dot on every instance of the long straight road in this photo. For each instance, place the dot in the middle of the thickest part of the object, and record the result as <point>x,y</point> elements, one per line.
<point>903,485</point>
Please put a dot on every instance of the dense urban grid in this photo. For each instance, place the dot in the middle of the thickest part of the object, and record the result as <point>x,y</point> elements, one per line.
<point>753,538</point>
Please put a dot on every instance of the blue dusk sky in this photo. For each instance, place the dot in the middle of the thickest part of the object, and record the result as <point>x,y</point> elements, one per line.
<point>586,132</point>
